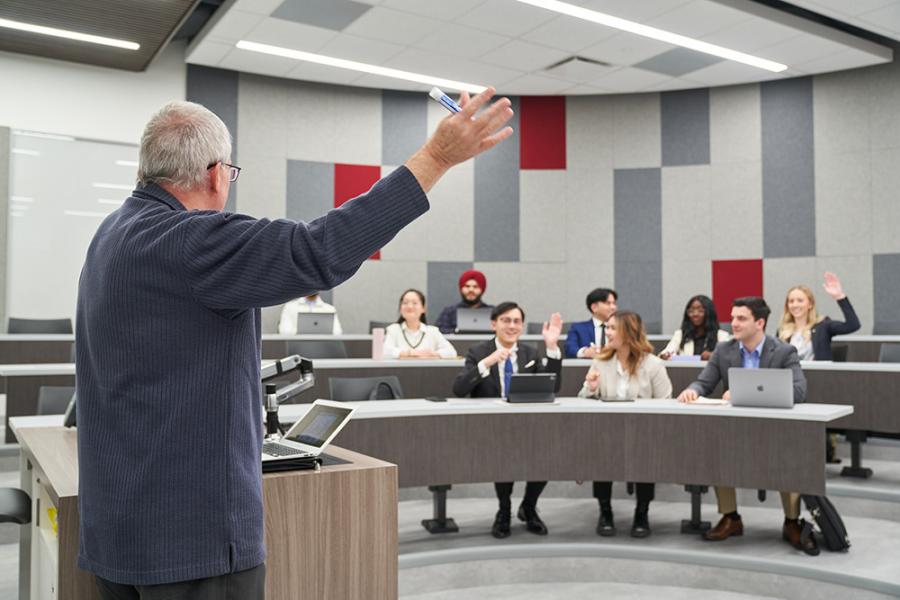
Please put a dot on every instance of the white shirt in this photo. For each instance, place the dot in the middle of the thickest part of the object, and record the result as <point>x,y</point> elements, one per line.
<point>288,323</point>
<point>398,337</point>
<point>623,382</point>
<point>804,346</point>
<point>485,370</point>
<point>598,335</point>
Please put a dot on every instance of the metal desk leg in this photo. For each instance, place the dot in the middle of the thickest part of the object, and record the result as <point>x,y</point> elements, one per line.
<point>856,469</point>
<point>695,524</point>
<point>440,523</point>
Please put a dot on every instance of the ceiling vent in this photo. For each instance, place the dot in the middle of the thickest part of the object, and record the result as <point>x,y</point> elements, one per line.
<point>578,68</point>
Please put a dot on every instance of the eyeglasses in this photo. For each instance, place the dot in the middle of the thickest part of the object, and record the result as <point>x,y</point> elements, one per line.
<point>234,171</point>
<point>509,321</point>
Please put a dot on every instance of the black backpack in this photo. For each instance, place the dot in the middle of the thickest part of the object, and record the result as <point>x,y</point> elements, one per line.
<point>829,522</point>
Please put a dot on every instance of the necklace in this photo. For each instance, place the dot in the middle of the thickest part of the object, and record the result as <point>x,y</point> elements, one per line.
<point>409,343</point>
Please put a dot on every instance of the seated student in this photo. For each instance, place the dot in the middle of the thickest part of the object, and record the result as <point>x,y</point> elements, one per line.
<point>310,304</point>
<point>488,370</point>
<point>751,348</point>
<point>626,368</point>
<point>810,333</point>
<point>410,336</point>
<point>472,285</point>
<point>586,338</point>
<point>699,331</point>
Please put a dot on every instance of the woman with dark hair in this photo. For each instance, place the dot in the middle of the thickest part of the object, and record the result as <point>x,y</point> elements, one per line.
<point>410,336</point>
<point>699,331</point>
<point>626,369</point>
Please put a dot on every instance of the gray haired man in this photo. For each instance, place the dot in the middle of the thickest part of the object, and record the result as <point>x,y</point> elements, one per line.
<point>168,348</point>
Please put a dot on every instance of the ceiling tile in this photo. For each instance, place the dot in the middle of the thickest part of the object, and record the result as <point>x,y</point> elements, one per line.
<point>845,59</point>
<point>392,26</point>
<point>699,18</point>
<point>288,34</point>
<point>254,62</point>
<point>534,85</point>
<point>887,17</point>
<point>846,7</point>
<point>387,83</point>
<point>313,72</point>
<point>751,36</point>
<point>235,25</point>
<point>729,72</point>
<point>579,71</point>
<point>208,53</point>
<point>467,71</point>
<point>259,7</point>
<point>678,62</point>
<point>506,17</point>
<point>458,40</point>
<point>629,79</point>
<point>639,11</point>
<point>800,49</point>
<point>442,11</point>
<point>524,56</point>
<point>328,14</point>
<point>626,49</point>
<point>569,34</point>
<point>360,49</point>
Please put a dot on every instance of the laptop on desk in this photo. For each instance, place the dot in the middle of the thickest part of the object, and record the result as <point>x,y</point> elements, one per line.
<point>761,388</point>
<point>315,323</point>
<point>309,436</point>
<point>473,320</point>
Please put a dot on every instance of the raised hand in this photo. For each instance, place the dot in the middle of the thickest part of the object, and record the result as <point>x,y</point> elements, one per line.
<point>832,286</point>
<point>552,330</point>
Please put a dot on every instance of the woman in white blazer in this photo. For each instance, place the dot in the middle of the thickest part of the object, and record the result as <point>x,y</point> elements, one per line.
<point>626,368</point>
<point>410,336</point>
<point>699,332</point>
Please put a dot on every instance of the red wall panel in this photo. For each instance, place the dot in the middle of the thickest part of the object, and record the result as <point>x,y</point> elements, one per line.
<point>542,132</point>
<point>732,279</point>
<point>352,180</point>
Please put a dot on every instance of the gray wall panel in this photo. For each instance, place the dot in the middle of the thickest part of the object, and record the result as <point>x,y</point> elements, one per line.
<point>217,90</point>
<point>638,242</point>
<point>497,199</point>
<point>886,274</point>
<point>788,168</point>
<point>442,291</point>
<point>684,118</point>
<point>310,189</point>
<point>5,186</point>
<point>404,125</point>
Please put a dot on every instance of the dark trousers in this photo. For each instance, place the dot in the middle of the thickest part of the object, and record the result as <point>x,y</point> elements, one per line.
<point>644,491</point>
<point>243,585</point>
<point>533,491</point>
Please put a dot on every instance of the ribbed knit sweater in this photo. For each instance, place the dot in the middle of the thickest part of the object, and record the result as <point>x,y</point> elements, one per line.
<point>168,371</point>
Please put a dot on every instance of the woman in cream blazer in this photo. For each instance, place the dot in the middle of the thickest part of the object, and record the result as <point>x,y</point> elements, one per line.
<point>626,369</point>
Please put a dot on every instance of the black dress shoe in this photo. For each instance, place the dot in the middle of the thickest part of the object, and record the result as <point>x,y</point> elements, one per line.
<point>605,524</point>
<point>532,521</point>
<point>640,528</point>
<point>500,529</point>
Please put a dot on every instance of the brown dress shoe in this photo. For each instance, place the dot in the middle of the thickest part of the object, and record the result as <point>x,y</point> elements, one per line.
<point>792,532</point>
<point>724,529</point>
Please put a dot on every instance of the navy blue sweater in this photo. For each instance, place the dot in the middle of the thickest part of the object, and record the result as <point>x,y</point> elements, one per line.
<point>168,382</point>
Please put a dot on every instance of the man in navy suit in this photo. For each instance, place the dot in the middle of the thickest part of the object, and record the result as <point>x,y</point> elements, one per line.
<point>586,338</point>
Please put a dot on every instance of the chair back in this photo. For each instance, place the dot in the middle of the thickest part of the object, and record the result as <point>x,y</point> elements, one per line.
<point>39,325</point>
<point>890,353</point>
<point>356,389</point>
<point>15,506</point>
<point>317,348</point>
<point>54,399</point>
<point>382,324</point>
<point>538,328</point>
<point>839,352</point>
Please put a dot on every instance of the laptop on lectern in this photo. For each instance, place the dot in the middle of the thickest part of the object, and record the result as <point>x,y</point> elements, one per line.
<point>309,436</point>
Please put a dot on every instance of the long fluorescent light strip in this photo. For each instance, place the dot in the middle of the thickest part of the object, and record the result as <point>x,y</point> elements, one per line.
<point>352,65</point>
<point>113,186</point>
<point>85,213</point>
<point>45,136</point>
<point>25,152</point>
<point>69,35</point>
<point>656,34</point>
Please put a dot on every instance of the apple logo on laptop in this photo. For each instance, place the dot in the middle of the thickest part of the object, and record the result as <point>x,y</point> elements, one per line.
<point>760,388</point>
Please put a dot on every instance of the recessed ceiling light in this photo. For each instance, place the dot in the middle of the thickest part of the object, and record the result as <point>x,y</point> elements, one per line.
<point>657,34</point>
<point>70,35</point>
<point>352,65</point>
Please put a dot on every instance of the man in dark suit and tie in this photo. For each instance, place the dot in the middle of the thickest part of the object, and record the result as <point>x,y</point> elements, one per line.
<point>586,338</point>
<point>487,374</point>
<point>751,348</point>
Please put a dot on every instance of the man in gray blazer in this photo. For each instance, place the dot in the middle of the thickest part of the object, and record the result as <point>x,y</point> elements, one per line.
<point>751,348</point>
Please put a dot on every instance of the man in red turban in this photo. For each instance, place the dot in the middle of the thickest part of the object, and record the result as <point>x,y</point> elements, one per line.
<point>472,285</point>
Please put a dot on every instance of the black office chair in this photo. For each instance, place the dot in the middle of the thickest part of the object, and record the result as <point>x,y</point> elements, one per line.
<point>317,348</point>
<point>538,328</point>
<point>382,324</point>
<point>15,506</point>
<point>355,389</point>
<point>839,352</point>
<point>889,353</point>
<point>39,325</point>
<point>54,399</point>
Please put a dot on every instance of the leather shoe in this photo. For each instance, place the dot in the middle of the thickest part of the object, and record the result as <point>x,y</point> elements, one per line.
<point>792,532</point>
<point>605,524</point>
<point>640,528</point>
<point>724,529</point>
<point>500,529</point>
<point>532,521</point>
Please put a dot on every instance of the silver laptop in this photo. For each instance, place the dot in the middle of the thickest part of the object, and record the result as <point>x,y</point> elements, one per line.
<point>762,388</point>
<point>309,436</point>
<point>473,320</point>
<point>322,323</point>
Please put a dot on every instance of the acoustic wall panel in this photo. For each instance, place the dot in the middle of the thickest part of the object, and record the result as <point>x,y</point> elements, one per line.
<point>543,210</point>
<point>843,203</point>
<point>780,275</point>
<point>686,213</point>
<point>636,131</point>
<point>885,207</point>
<point>351,181</point>
<point>373,293</point>
<point>443,285</point>
<point>735,204</point>
<point>733,279</point>
<point>684,120</point>
<point>310,189</point>
<point>857,279</point>
<point>404,125</point>
<point>590,230</point>
<point>886,277</point>
<point>584,273</point>
<point>734,124</point>
<point>681,280</point>
<point>841,112</point>
<point>542,132</point>
<point>589,133</point>
<point>262,186</point>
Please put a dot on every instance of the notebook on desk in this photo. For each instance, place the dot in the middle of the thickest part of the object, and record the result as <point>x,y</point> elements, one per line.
<point>309,436</point>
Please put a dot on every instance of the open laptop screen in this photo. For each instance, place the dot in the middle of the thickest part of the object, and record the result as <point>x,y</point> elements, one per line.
<point>318,425</point>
